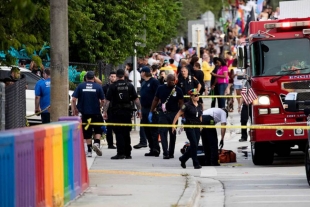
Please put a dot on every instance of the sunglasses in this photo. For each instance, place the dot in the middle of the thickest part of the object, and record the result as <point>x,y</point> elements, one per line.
<point>196,95</point>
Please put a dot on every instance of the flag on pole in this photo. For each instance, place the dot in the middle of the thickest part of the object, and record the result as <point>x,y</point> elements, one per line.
<point>248,94</point>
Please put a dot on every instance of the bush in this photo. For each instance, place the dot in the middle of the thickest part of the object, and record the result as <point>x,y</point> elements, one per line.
<point>72,86</point>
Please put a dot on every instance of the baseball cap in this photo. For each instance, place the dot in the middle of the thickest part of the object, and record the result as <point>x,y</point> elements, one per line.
<point>145,69</point>
<point>90,75</point>
<point>193,91</point>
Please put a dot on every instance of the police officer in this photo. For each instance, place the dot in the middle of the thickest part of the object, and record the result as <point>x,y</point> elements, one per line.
<point>120,95</point>
<point>90,100</point>
<point>246,112</point>
<point>192,111</point>
<point>212,116</point>
<point>147,94</point>
<point>112,79</point>
<point>171,100</point>
<point>186,82</point>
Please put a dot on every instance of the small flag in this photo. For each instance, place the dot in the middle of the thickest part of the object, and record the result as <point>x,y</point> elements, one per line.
<point>248,95</point>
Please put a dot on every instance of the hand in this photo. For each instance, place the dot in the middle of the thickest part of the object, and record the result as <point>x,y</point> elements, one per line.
<point>37,111</point>
<point>212,87</point>
<point>221,144</point>
<point>139,115</point>
<point>105,116</point>
<point>150,116</point>
<point>173,130</point>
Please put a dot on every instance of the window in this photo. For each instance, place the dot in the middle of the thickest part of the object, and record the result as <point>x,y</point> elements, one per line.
<point>278,57</point>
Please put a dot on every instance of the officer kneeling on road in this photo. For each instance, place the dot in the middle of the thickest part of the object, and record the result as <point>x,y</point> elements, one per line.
<point>120,95</point>
<point>209,139</point>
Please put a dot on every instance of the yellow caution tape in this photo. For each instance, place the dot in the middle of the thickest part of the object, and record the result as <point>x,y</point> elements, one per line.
<point>35,114</point>
<point>200,126</point>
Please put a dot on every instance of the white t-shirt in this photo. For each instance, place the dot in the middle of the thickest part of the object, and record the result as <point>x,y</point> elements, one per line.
<point>219,115</point>
<point>236,81</point>
<point>138,78</point>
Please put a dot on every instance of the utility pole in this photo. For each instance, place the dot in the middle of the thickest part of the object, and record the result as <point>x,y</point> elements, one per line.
<point>59,59</point>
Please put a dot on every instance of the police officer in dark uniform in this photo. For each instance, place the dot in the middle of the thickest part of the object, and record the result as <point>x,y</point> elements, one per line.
<point>112,79</point>
<point>90,100</point>
<point>171,100</point>
<point>147,93</point>
<point>192,111</point>
<point>186,82</point>
<point>120,95</point>
<point>212,116</point>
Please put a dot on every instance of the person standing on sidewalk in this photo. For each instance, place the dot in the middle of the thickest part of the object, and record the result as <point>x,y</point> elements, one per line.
<point>43,96</point>
<point>246,112</point>
<point>147,94</point>
<point>209,139</point>
<point>171,100</point>
<point>90,100</point>
<point>192,111</point>
<point>120,95</point>
<point>112,79</point>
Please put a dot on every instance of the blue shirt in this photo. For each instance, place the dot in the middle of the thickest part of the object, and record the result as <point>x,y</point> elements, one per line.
<point>162,94</point>
<point>88,94</point>
<point>147,92</point>
<point>43,89</point>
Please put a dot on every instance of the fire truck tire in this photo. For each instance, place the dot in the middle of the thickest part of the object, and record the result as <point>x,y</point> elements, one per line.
<point>307,163</point>
<point>262,153</point>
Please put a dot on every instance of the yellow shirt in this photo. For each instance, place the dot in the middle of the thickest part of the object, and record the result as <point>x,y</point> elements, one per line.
<point>207,69</point>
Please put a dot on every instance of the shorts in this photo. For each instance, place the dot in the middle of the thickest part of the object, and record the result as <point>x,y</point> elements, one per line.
<point>95,118</point>
<point>207,84</point>
<point>236,87</point>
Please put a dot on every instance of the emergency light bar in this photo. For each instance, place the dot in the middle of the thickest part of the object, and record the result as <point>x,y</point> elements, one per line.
<point>287,24</point>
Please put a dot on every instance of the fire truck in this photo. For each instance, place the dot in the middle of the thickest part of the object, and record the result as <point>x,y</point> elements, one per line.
<point>276,56</point>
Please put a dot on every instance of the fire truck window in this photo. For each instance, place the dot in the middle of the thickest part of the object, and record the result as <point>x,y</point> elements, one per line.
<point>276,57</point>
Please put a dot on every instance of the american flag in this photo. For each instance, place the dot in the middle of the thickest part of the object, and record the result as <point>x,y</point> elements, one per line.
<point>248,94</point>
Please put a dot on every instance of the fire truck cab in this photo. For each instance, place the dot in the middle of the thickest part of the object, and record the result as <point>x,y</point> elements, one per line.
<point>276,55</point>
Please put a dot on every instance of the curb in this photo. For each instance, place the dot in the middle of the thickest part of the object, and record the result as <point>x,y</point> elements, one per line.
<point>191,194</point>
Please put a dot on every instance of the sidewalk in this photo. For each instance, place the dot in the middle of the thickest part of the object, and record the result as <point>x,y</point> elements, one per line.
<point>152,181</point>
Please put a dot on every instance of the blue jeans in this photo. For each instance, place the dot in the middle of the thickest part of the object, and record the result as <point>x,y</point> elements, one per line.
<point>221,89</point>
<point>193,135</point>
<point>167,118</point>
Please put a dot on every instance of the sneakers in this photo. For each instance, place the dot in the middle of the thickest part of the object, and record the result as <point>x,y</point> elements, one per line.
<point>97,149</point>
<point>152,154</point>
<point>242,140</point>
<point>89,154</point>
<point>138,146</point>
<point>119,157</point>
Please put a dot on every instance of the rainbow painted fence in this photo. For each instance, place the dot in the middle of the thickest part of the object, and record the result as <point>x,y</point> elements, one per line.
<point>44,165</point>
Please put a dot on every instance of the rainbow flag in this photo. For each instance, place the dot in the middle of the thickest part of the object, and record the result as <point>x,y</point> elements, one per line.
<point>240,20</point>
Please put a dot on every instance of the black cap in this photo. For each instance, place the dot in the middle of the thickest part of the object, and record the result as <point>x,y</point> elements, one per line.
<point>145,69</point>
<point>120,72</point>
<point>90,75</point>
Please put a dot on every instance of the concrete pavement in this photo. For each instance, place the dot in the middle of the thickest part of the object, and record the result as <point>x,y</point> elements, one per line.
<point>153,181</point>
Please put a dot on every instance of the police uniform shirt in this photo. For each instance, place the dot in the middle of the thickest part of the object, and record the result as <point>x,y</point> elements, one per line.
<point>187,84</point>
<point>88,95</point>
<point>192,113</point>
<point>219,115</point>
<point>113,95</point>
<point>163,93</point>
<point>147,92</point>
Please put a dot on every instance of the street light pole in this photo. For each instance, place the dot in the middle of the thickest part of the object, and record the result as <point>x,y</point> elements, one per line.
<point>59,58</point>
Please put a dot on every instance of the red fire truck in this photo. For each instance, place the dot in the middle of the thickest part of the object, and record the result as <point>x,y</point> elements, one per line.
<point>277,58</point>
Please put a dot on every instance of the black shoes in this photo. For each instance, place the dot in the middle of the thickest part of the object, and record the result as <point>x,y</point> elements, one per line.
<point>171,156</point>
<point>197,167</point>
<point>138,146</point>
<point>128,157</point>
<point>242,140</point>
<point>182,163</point>
<point>152,154</point>
<point>111,147</point>
<point>118,157</point>
<point>166,157</point>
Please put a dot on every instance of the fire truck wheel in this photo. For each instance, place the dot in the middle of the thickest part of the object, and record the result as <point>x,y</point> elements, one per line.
<point>307,164</point>
<point>262,153</point>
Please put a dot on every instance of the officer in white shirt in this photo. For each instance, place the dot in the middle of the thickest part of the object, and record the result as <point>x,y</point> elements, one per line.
<point>212,116</point>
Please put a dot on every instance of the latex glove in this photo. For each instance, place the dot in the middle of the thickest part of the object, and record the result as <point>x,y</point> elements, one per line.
<point>150,117</point>
<point>221,144</point>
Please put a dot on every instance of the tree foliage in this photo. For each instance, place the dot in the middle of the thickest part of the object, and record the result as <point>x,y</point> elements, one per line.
<point>100,29</point>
